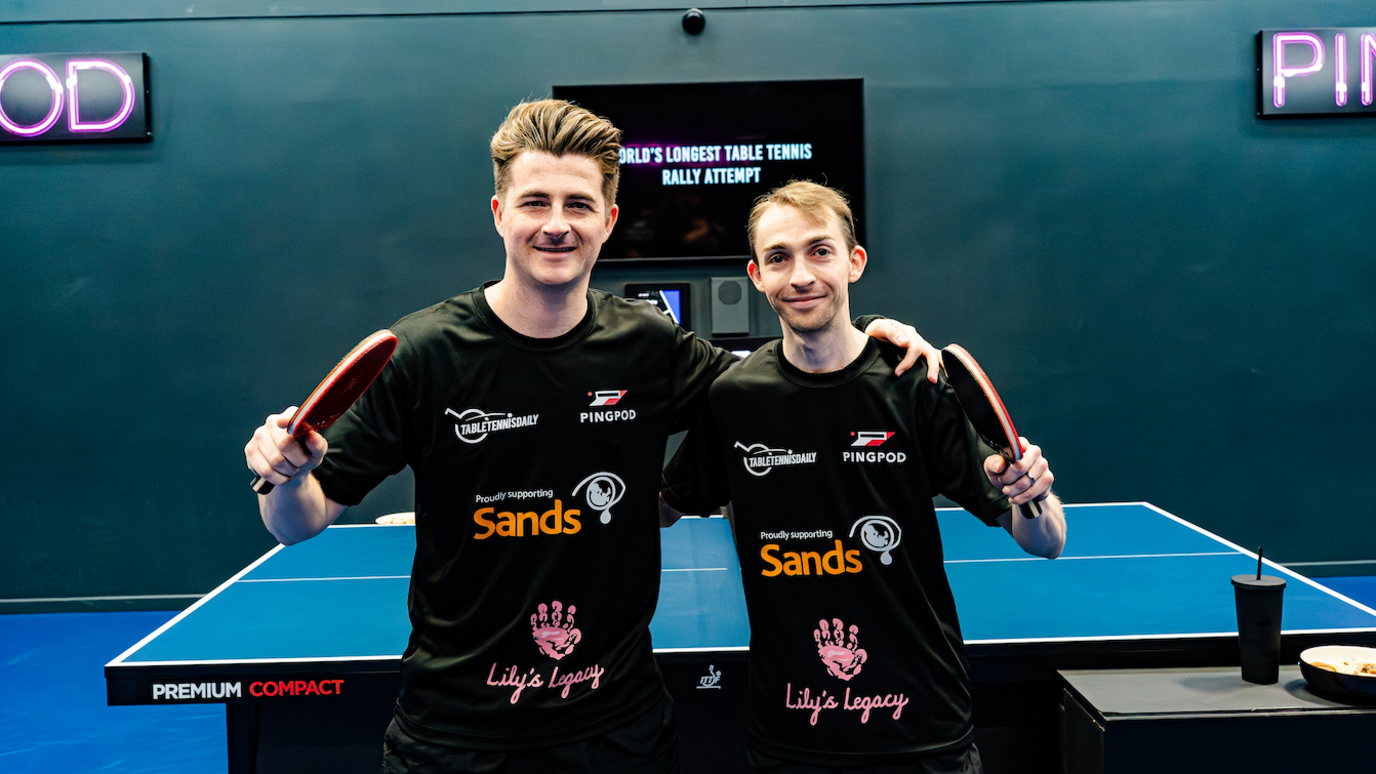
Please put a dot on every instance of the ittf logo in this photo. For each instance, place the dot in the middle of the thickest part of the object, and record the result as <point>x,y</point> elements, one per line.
<point>606,397</point>
<point>872,437</point>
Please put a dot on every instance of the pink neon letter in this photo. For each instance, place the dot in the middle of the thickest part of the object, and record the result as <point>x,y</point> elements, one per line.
<point>73,110</point>
<point>53,83</point>
<point>1340,69</point>
<point>1278,61</point>
<point>1368,53</point>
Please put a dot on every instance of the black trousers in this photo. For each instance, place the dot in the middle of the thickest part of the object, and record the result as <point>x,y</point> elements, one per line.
<point>958,762</point>
<point>646,745</point>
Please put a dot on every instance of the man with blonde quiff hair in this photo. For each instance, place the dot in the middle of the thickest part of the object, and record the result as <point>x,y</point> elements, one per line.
<point>560,128</point>
<point>536,570</point>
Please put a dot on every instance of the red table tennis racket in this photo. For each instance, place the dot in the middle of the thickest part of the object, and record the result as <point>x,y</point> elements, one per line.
<point>985,410</point>
<point>344,385</point>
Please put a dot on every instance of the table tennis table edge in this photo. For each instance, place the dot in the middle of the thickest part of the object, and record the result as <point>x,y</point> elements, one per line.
<point>119,660</point>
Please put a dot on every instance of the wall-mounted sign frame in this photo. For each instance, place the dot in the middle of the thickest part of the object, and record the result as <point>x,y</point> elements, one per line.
<point>670,298</point>
<point>695,156</point>
<point>75,98</point>
<point>1322,71</point>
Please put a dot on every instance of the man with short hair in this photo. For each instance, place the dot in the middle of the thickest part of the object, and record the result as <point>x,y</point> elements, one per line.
<point>831,463</point>
<point>537,551</point>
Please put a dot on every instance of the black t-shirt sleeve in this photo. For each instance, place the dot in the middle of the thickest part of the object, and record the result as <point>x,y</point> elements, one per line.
<point>696,364</point>
<point>695,480</point>
<point>865,320</point>
<point>955,456</point>
<point>373,439</point>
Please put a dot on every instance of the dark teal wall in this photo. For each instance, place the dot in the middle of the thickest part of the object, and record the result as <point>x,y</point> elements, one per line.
<point>1176,298</point>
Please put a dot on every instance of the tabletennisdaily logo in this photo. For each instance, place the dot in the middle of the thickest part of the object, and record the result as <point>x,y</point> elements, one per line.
<point>760,459</point>
<point>473,425</point>
<point>602,398</point>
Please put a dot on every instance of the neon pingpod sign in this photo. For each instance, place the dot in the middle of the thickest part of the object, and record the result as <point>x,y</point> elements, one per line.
<point>1320,71</point>
<point>74,98</point>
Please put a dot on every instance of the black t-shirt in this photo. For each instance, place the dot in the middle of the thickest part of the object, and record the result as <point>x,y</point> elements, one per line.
<point>537,467</point>
<point>856,651</point>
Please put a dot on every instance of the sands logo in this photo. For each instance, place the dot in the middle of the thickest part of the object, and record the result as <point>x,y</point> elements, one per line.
<point>473,425</point>
<point>759,459</point>
<point>842,655</point>
<point>600,490</point>
<point>872,437</point>
<point>837,561</point>
<point>606,398</point>
<point>603,491</point>
<point>878,533</point>
<point>553,629</point>
<point>555,521</point>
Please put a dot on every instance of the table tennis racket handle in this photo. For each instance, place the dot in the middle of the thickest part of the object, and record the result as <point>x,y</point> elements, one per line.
<point>263,486</point>
<point>1029,510</point>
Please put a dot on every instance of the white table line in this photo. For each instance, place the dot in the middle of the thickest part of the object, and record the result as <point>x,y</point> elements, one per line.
<point>1081,558</point>
<point>326,578</point>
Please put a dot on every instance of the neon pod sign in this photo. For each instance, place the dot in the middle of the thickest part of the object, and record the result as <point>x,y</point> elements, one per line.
<point>1308,72</point>
<point>103,97</point>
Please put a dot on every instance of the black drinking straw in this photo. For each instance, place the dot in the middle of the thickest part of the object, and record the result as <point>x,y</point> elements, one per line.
<point>1258,562</point>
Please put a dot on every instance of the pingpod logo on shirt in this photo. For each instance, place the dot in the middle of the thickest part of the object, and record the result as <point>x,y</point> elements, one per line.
<point>604,399</point>
<point>473,425</point>
<point>863,450</point>
<point>760,459</point>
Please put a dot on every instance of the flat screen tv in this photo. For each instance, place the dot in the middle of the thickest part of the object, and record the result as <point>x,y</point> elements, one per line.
<point>696,156</point>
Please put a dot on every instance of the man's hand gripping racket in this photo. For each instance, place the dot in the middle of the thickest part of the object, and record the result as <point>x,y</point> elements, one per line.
<point>274,445</point>
<point>990,419</point>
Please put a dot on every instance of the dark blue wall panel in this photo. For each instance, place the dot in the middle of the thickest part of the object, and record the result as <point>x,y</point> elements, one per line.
<point>1177,299</point>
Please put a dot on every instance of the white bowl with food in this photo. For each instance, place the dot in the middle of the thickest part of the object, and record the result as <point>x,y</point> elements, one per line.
<point>1342,669</point>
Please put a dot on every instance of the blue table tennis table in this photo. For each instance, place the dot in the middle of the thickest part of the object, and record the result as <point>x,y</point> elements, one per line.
<point>304,645</point>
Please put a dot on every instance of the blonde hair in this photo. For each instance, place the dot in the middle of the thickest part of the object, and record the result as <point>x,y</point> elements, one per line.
<point>559,128</point>
<point>813,200</point>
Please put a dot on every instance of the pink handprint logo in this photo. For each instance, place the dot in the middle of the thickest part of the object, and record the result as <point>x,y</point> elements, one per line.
<point>553,629</point>
<point>842,655</point>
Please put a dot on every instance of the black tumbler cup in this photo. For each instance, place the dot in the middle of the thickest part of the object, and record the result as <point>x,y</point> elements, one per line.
<point>1258,626</point>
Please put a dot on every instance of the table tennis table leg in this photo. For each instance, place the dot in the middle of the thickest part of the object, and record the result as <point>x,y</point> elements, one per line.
<point>241,725</point>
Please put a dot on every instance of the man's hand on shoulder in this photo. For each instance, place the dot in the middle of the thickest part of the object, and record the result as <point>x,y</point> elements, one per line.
<point>903,335</point>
